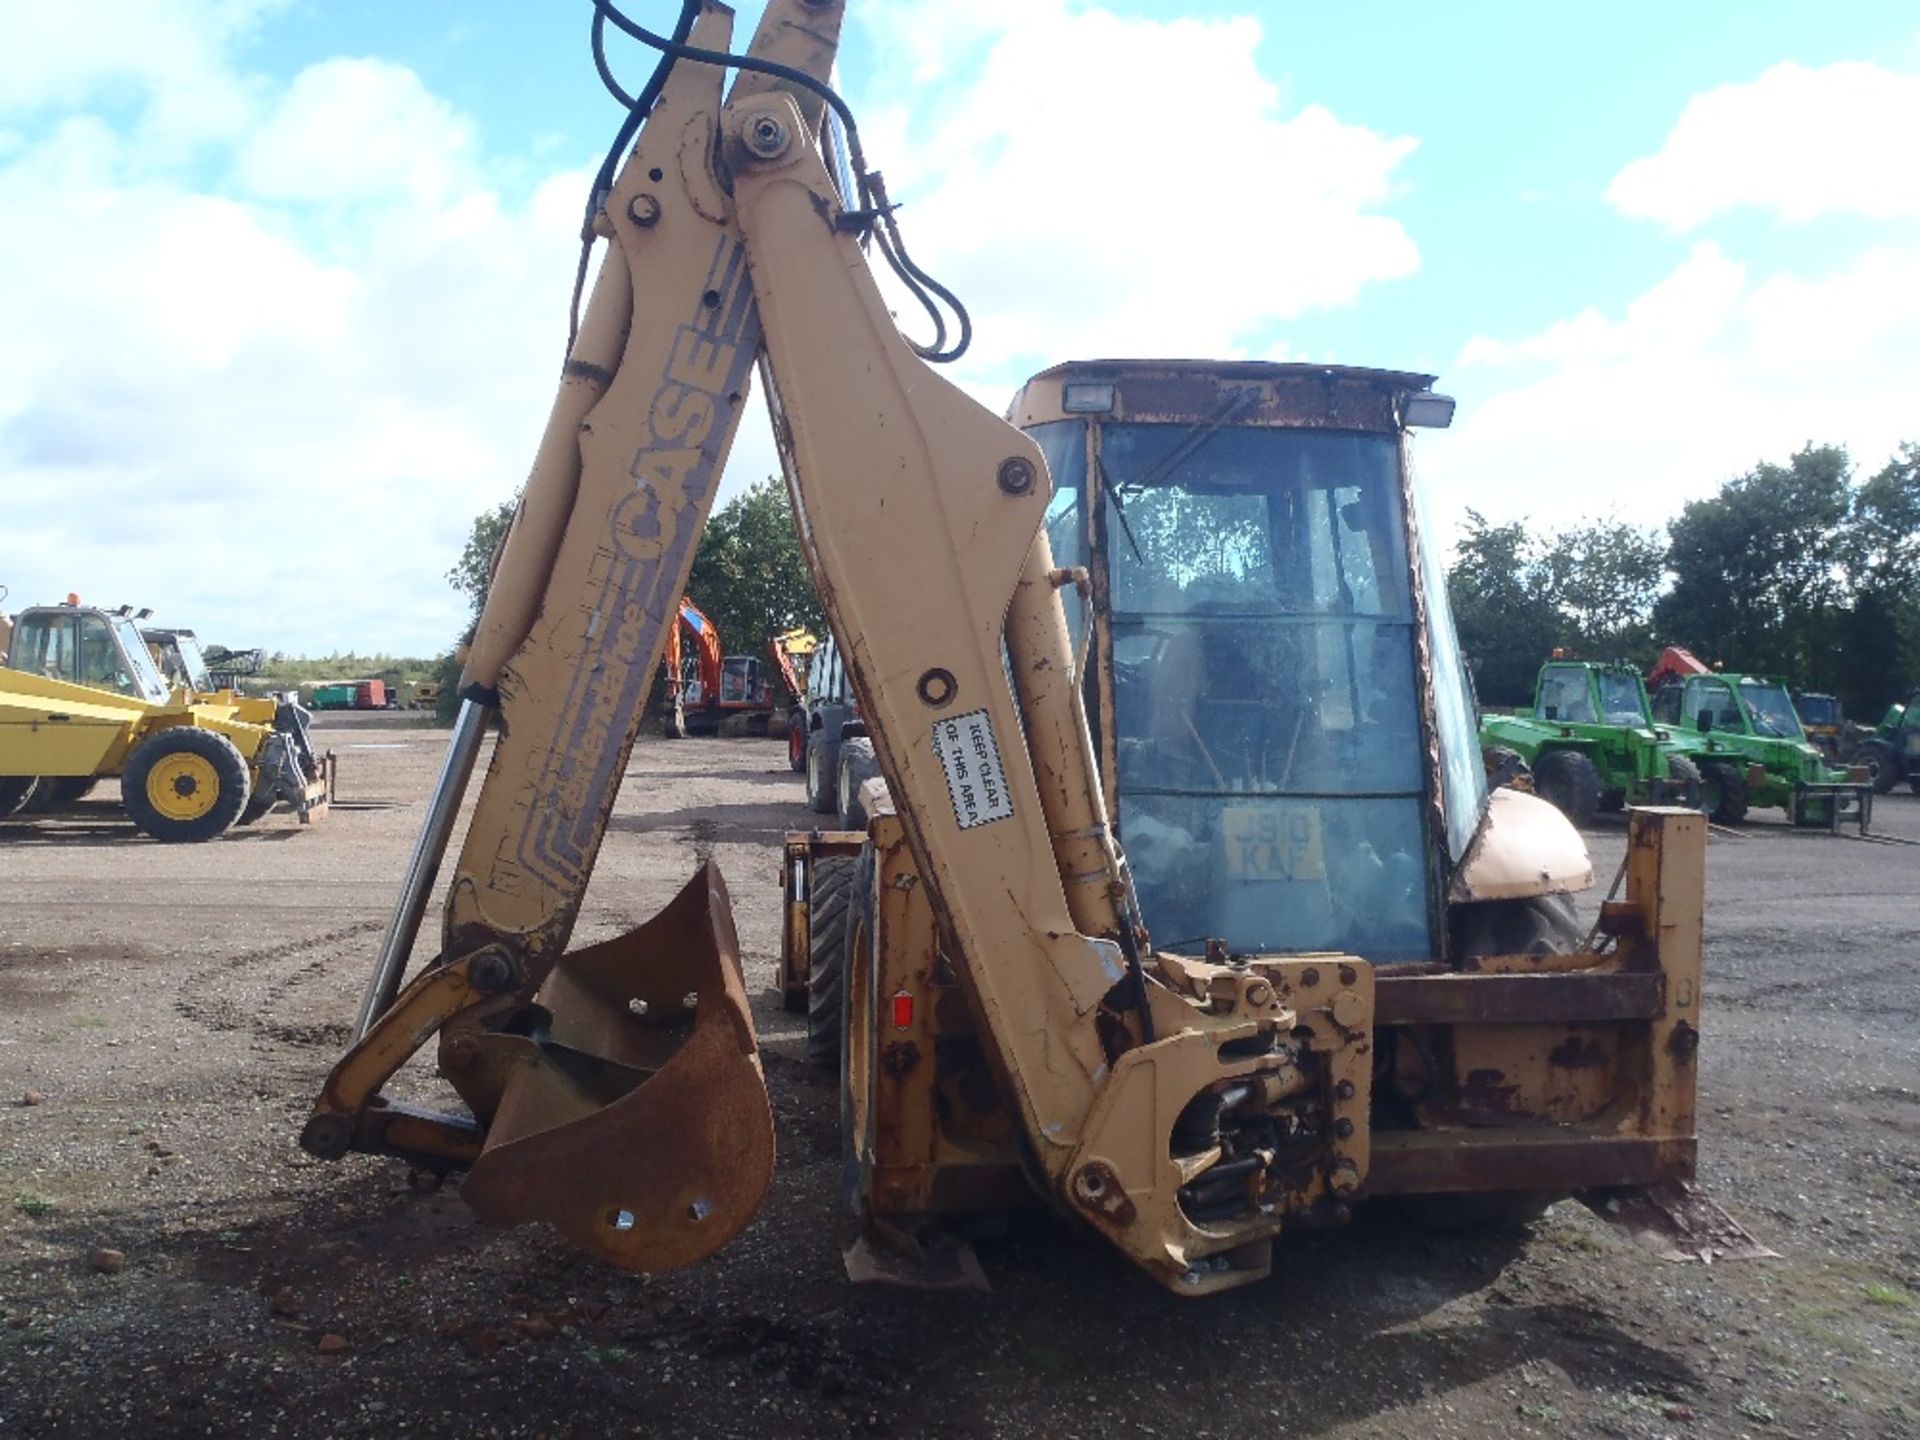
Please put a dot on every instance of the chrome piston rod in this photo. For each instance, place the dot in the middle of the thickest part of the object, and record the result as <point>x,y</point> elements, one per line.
<point>424,866</point>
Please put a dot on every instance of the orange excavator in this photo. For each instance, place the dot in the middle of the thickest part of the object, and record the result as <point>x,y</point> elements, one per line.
<point>1676,662</point>
<point>721,685</point>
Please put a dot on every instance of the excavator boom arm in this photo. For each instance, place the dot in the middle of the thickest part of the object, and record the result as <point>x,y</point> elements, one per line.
<point>617,1089</point>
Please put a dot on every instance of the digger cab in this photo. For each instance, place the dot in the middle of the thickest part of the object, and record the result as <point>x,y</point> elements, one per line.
<point>81,645</point>
<point>180,658</point>
<point>1263,600</point>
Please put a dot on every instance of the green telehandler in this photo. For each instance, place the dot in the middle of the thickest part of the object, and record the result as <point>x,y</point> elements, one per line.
<point>1752,752</point>
<point>1892,752</point>
<point>1591,744</point>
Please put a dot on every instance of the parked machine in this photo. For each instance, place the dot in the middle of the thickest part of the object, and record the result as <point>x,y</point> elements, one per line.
<point>1891,753</point>
<point>827,740</point>
<point>1823,720</point>
<point>1318,971</point>
<point>716,687</point>
<point>1591,745</point>
<point>353,695</point>
<point>1747,742</point>
<point>180,659</point>
<point>81,698</point>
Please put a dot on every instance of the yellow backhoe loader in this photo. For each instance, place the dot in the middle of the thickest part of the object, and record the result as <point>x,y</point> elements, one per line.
<point>1328,965</point>
<point>81,698</point>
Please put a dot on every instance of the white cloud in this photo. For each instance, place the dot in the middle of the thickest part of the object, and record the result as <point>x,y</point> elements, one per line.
<point>1708,372</point>
<point>279,342</point>
<point>1796,141</point>
<point>269,408</point>
<point>1149,195</point>
<point>356,130</point>
<point>168,53</point>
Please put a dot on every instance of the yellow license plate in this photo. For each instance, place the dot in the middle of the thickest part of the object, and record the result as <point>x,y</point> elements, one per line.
<point>1274,842</point>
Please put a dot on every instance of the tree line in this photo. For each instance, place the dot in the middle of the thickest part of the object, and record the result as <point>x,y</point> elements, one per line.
<point>749,576</point>
<point>1804,570</point>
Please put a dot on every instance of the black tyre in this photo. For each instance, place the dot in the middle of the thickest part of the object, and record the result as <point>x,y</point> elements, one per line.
<point>1879,758</point>
<point>258,804</point>
<point>1723,792</point>
<point>40,799</point>
<point>183,784</point>
<point>1538,925</point>
<point>16,793</point>
<point>70,789</point>
<point>1504,765</point>
<point>797,742</point>
<point>857,766</point>
<point>830,889</point>
<point>820,792</point>
<point>1686,779</point>
<point>1567,779</point>
<point>857,1010</point>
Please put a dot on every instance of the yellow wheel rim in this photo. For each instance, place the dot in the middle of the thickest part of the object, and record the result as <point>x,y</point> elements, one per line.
<point>183,786</point>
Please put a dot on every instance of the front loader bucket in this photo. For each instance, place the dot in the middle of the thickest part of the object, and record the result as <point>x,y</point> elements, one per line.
<point>635,1118</point>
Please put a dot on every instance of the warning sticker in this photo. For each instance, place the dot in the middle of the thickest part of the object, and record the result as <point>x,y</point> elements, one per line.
<point>975,778</point>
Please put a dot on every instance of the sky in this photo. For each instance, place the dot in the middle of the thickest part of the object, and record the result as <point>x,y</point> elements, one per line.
<point>286,280</point>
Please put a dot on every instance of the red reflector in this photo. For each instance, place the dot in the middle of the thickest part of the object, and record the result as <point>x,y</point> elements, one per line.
<point>902,1010</point>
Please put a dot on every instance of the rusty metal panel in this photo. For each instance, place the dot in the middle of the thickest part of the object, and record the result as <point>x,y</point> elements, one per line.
<point>1550,1158</point>
<point>1517,999</point>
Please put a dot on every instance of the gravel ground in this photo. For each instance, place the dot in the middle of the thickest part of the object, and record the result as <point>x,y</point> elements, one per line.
<point>172,1264</point>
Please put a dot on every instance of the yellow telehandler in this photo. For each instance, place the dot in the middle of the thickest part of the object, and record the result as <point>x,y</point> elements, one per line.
<point>1326,966</point>
<point>81,698</point>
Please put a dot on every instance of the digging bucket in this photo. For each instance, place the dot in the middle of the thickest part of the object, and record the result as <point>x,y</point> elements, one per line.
<point>633,1115</point>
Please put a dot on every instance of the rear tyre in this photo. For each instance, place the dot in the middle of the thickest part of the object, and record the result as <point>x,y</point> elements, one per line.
<point>1538,925</point>
<point>856,1033</point>
<point>258,804</point>
<point>820,796</point>
<point>1723,793</point>
<point>797,742</point>
<point>829,890</point>
<point>1567,779</point>
<point>1879,758</point>
<point>1504,765</point>
<point>16,792</point>
<point>857,766</point>
<point>183,784</point>
<point>1686,778</point>
<point>70,789</point>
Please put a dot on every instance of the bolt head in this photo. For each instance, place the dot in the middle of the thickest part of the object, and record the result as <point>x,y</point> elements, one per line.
<point>644,211</point>
<point>1016,475</point>
<point>490,971</point>
<point>766,136</point>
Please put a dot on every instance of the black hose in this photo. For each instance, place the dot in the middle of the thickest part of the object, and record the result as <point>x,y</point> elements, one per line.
<point>874,207</point>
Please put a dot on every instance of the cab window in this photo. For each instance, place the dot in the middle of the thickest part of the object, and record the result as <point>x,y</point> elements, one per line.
<point>1566,696</point>
<point>1715,696</point>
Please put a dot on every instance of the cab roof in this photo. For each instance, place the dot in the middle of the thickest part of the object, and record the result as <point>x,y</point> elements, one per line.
<point>1333,397</point>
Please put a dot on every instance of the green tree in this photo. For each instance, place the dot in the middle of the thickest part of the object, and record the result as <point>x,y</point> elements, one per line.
<point>473,571</point>
<point>1604,577</point>
<point>1501,590</point>
<point>749,574</point>
<point>1877,637</point>
<point>1757,577</point>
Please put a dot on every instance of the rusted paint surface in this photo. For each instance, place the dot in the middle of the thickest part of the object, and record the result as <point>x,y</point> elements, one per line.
<point>1545,1158</point>
<point>1517,999</point>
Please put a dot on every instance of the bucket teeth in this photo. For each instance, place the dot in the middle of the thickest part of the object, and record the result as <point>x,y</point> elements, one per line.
<point>635,1116</point>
